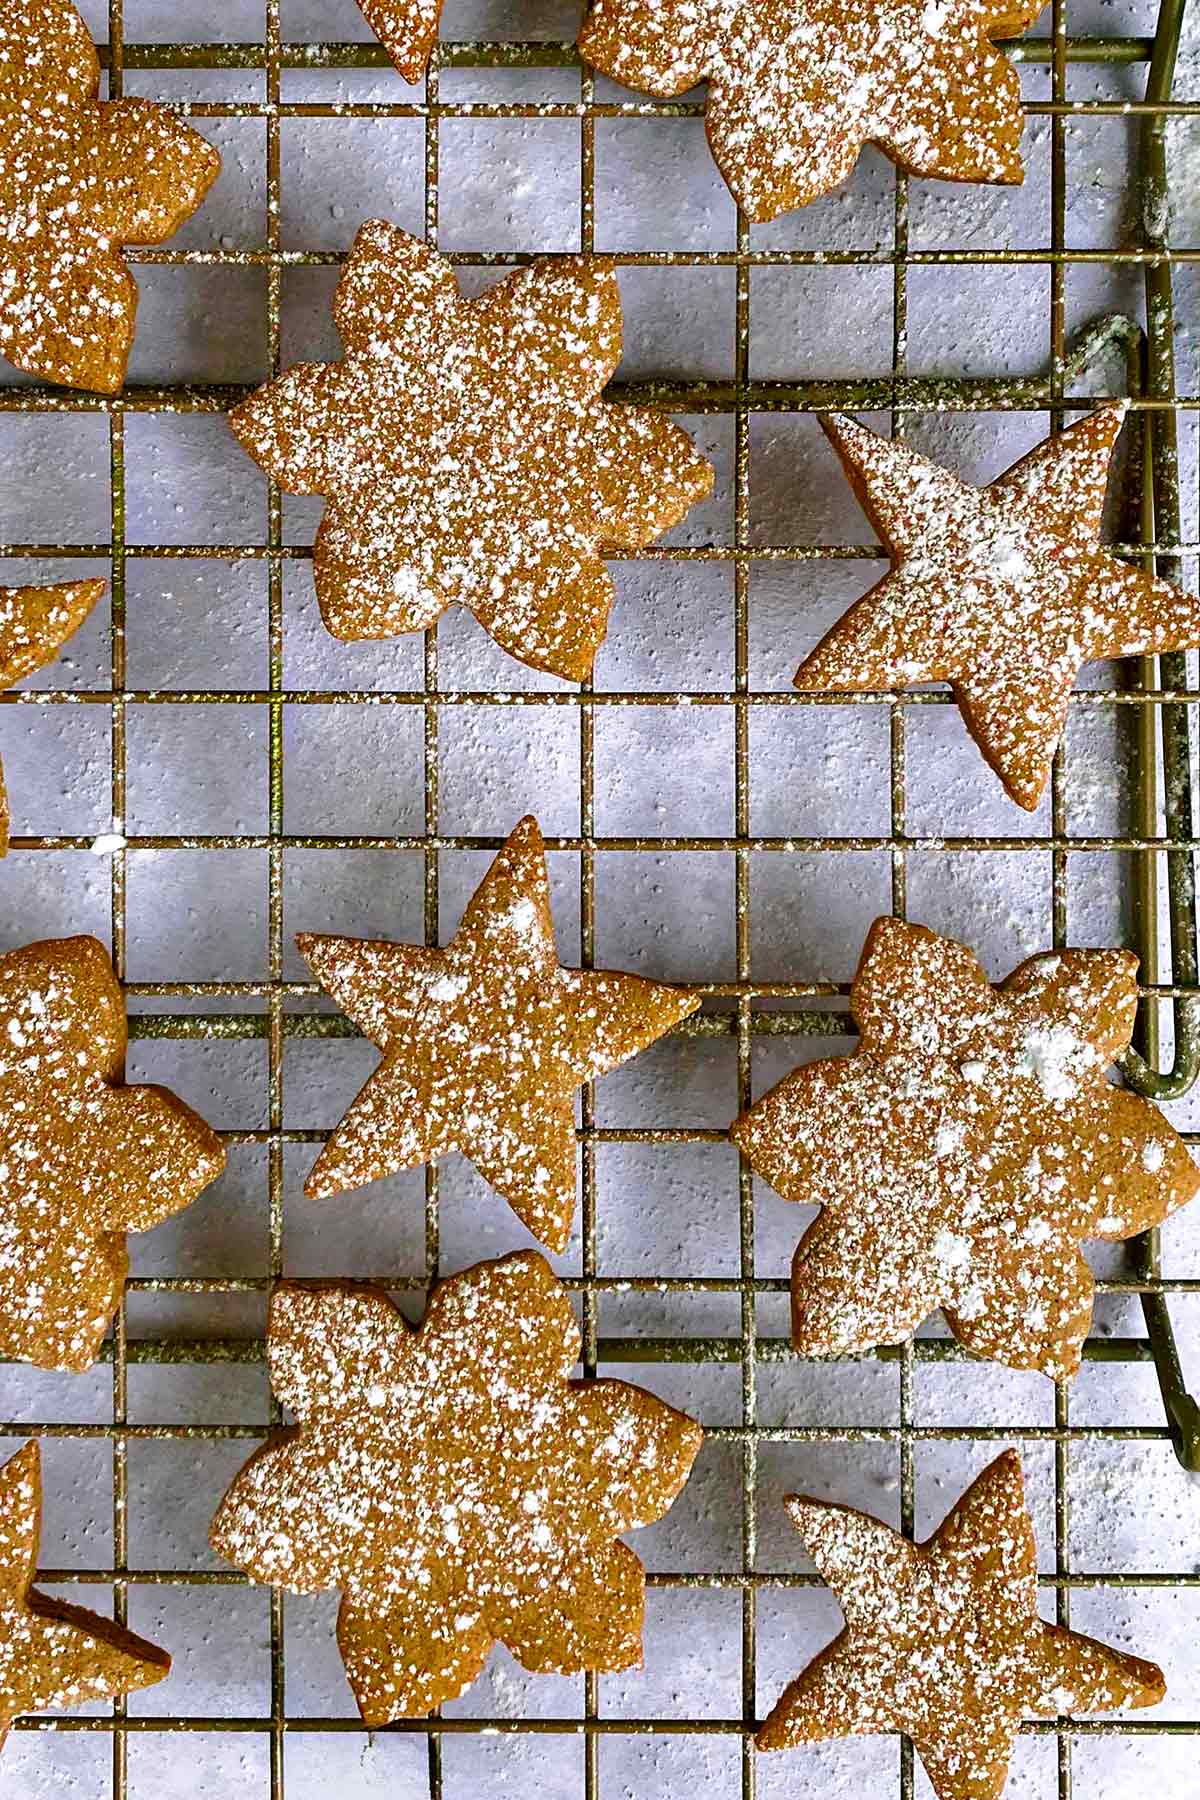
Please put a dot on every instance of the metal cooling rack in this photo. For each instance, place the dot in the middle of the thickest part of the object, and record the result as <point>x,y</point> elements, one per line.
<point>1155,700</point>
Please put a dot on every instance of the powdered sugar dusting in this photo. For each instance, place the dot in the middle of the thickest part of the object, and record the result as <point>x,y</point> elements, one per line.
<point>482,1499</point>
<point>34,624</point>
<point>466,456</point>
<point>964,1172</point>
<point>794,93</point>
<point>52,1654</point>
<point>407,29</point>
<point>485,1043</point>
<point>82,1159</point>
<point>1057,1060</point>
<point>79,178</point>
<point>1003,591</point>
<point>943,1640</point>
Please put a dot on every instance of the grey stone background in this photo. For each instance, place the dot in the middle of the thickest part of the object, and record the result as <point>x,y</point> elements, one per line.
<point>201,915</point>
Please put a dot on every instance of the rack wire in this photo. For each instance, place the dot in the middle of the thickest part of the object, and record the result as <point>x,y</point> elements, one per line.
<point>1155,700</point>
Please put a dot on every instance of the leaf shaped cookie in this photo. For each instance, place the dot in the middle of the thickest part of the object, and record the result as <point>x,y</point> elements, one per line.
<point>53,1654</point>
<point>943,1641</point>
<point>454,1484</point>
<point>966,1150</point>
<point>484,1044</point>
<point>83,1159</point>
<point>35,622</point>
<point>1003,591</point>
<point>466,456</point>
<point>795,92</point>
<point>79,178</point>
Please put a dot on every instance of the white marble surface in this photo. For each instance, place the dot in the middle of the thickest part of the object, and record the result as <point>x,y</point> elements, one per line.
<point>669,1209</point>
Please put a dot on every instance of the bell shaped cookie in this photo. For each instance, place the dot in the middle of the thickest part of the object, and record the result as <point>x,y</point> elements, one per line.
<point>965,1151</point>
<point>465,453</point>
<point>79,178</point>
<point>794,92</point>
<point>454,1484</point>
<point>83,1159</point>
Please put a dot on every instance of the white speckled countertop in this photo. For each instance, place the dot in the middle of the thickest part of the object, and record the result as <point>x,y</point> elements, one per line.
<point>662,1208</point>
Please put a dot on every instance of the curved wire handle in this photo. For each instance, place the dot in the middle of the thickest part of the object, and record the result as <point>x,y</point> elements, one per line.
<point>1152,370</point>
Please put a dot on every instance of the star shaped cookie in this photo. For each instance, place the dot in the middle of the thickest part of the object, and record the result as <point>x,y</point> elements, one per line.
<point>1003,591</point>
<point>943,1641</point>
<point>79,178</point>
<point>484,1044</point>
<point>407,29</point>
<point>795,92</point>
<point>83,1159</point>
<point>35,622</point>
<point>52,1654</point>
<point>466,456</point>
<point>965,1151</point>
<point>454,1484</point>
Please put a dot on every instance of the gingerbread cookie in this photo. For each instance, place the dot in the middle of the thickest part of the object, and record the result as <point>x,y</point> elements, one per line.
<point>35,622</point>
<point>465,453</point>
<point>83,1159</point>
<point>795,93</point>
<point>407,29</point>
<point>943,1641</point>
<point>79,178</point>
<point>1002,591</point>
<point>52,1654</point>
<point>965,1151</point>
<point>454,1484</point>
<point>484,1044</point>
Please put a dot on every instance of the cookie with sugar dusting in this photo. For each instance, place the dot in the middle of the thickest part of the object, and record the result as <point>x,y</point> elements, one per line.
<point>965,1151</point>
<point>466,456</point>
<point>407,29</point>
<point>83,1159</point>
<point>35,622</point>
<point>942,1640</point>
<point>1003,591</point>
<point>484,1044</point>
<point>795,92</point>
<point>454,1484</point>
<point>53,1654</point>
<point>79,178</point>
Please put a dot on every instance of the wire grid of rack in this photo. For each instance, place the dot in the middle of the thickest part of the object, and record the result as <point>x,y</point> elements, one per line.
<point>1161,843</point>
